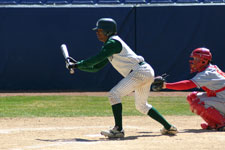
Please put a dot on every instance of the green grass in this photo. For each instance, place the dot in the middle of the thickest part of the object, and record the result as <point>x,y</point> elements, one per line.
<point>74,106</point>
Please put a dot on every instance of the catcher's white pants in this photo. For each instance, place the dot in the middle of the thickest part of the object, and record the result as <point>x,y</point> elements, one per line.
<point>139,80</point>
<point>217,103</point>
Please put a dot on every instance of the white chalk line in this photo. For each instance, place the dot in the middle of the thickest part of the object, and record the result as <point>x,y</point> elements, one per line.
<point>39,146</point>
<point>8,131</point>
<point>94,135</point>
<point>51,145</point>
<point>61,143</point>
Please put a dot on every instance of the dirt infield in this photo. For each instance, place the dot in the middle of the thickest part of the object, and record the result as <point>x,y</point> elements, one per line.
<point>82,133</point>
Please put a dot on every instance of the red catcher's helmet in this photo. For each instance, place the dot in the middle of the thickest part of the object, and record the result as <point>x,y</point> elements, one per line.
<point>201,58</point>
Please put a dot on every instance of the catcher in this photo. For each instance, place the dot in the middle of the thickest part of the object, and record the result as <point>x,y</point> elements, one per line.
<point>138,76</point>
<point>209,105</point>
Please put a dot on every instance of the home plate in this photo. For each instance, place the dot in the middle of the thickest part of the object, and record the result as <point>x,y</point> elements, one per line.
<point>94,135</point>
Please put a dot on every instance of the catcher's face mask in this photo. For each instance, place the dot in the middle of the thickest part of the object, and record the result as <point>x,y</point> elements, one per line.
<point>200,58</point>
<point>197,65</point>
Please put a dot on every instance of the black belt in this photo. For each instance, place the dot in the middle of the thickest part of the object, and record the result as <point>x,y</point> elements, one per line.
<point>140,63</point>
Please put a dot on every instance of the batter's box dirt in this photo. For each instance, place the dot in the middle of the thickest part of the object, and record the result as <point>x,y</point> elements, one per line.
<point>83,133</point>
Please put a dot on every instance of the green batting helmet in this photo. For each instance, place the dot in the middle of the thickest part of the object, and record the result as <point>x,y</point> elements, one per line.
<point>107,24</point>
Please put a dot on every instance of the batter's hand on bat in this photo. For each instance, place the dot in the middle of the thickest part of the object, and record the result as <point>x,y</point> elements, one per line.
<point>71,63</point>
<point>71,59</point>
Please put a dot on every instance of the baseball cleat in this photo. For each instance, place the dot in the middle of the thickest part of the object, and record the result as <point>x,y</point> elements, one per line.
<point>205,126</point>
<point>171,131</point>
<point>113,133</point>
<point>221,128</point>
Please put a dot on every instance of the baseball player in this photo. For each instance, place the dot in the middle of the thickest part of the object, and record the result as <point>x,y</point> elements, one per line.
<point>138,76</point>
<point>210,105</point>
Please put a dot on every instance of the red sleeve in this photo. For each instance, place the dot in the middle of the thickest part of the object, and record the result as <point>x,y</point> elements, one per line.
<point>181,85</point>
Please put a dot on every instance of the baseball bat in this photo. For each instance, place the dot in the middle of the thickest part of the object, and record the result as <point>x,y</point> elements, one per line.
<point>66,56</point>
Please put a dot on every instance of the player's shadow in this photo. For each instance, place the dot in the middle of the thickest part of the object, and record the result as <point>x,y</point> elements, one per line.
<point>197,131</point>
<point>67,140</point>
<point>142,134</point>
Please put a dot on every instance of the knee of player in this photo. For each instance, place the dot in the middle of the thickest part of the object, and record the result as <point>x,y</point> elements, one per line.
<point>143,108</point>
<point>114,97</point>
<point>114,94</point>
<point>197,106</point>
<point>191,97</point>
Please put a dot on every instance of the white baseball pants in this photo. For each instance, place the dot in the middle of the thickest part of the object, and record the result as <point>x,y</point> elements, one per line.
<point>217,103</point>
<point>139,80</point>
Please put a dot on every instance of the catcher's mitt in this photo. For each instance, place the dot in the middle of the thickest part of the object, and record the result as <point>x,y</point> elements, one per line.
<point>158,83</point>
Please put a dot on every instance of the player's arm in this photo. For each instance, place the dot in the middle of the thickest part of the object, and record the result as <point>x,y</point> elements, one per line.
<point>181,85</point>
<point>109,48</point>
<point>96,67</point>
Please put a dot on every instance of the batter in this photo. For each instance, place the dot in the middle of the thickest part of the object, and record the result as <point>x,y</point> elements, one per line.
<point>210,105</point>
<point>138,76</point>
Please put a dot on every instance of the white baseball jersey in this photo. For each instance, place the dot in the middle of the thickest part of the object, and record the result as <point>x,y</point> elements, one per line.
<point>126,60</point>
<point>212,78</point>
<point>138,77</point>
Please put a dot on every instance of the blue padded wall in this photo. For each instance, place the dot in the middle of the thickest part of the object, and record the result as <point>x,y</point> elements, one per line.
<point>213,1</point>
<point>108,1</point>
<point>168,36</point>
<point>31,58</point>
<point>83,1</point>
<point>30,38</point>
<point>57,1</point>
<point>91,2</point>
<point>161,1</point>
<point>135,1</point>
<point>188,1</point>
<point>9,1</point>
<point>32,1</point>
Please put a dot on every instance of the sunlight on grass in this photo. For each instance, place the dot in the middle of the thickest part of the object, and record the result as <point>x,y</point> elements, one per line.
<point>72,106</point>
